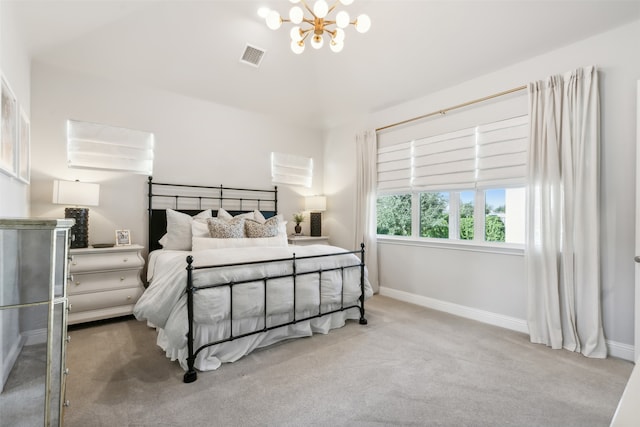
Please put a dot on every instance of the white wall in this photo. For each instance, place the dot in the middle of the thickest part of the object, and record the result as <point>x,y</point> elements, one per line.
<point>197,142</point>
<point>15,65</point>
<point>496,282</point>
<point>14,194</point>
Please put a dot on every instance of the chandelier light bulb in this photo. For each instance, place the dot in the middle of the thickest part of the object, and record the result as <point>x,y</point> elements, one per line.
<point>296,15</point>
<point>363,23</point>
<point>263,12</point>
<point>296,34</point>
<point>297,47</point>
<point>336,46</point>
<point>310,23</point>
<point>342,19</point>
<point>317,41</point>
<point>320,8</point>
<point>274,21</point>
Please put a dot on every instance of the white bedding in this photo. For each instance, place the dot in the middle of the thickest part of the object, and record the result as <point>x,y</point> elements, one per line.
<point>163,303</point>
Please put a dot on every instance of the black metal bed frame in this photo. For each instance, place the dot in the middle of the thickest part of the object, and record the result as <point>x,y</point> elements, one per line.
<point>157,228</point>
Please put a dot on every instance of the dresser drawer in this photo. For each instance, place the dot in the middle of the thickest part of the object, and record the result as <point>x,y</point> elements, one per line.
<point>105,261</point>
<point>99,300</point>
<point>104,281</point>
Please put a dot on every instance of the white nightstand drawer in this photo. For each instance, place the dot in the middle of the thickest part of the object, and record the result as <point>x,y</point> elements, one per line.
<point>105,261</point>
<point>104,281</point>
<point>99,300</point>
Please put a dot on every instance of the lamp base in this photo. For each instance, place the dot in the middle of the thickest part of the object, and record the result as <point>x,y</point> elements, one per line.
<point>315,224</point>
<point>80,231</point>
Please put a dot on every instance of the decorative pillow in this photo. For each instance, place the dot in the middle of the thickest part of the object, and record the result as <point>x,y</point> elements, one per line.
<point>204,243</point>
<point>179,235</point>
<point>223,229</point>
<point>270,228</point>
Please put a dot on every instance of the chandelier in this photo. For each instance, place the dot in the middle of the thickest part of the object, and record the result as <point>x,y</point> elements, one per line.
<point>315,26</point>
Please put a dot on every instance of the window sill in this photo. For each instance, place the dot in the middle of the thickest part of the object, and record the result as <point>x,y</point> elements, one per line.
<point>496,248</point>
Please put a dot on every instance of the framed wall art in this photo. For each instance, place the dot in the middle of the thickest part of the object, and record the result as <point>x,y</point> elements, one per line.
<point>8,130</point>
<point>24,154</point>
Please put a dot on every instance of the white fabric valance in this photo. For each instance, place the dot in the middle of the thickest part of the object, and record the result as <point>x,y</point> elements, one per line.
<point>291,170</point>
<point>98,146</point>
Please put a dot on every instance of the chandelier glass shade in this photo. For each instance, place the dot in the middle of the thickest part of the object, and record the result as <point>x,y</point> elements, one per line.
<point>322,20</point>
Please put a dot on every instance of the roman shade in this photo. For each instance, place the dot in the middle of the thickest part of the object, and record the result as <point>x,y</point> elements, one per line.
<point>489,155</point>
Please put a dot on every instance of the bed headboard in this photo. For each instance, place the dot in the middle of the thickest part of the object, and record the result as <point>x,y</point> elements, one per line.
<point>193,199</point>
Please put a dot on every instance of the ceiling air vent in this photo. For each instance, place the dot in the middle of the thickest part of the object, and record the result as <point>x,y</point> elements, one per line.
<point>252,55</point>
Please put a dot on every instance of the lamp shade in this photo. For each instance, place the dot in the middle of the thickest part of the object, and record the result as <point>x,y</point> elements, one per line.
<point>316,203</point>
<point>75,193</point>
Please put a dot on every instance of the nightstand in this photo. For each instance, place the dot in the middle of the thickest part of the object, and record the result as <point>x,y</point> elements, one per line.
<point>308,240</point>
<point>104,282</point>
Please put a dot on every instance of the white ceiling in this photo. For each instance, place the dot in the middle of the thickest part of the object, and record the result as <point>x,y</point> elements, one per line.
<point>413,48</point>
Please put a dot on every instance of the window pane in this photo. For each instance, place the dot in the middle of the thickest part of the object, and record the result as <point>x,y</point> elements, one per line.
<point>434,215</point>
<point>394,215</point>
<point>494,230</point>
<point>467,206</point>
<point>514,215</point>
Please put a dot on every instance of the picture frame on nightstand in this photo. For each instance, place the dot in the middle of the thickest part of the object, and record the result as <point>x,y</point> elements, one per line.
<point>123,238</point>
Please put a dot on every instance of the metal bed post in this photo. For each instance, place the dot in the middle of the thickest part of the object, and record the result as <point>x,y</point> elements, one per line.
<point>149,222</point>
<point>363,321</point>
<point>191,375</point>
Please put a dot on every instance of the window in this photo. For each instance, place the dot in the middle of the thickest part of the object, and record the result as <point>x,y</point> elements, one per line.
<point>466,215</point>
<point>493,215</point>
<point>434,215</point>
<point>465,185</point>
<point>394,215</point>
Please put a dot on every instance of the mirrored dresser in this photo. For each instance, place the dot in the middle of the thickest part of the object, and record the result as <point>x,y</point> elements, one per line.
<point>33,320</point>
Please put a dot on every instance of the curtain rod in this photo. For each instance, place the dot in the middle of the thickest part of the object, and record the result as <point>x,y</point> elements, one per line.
<point>475,101</point>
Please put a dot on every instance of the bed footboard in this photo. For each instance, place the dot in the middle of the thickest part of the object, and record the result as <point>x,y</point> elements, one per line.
<point>191,374</point>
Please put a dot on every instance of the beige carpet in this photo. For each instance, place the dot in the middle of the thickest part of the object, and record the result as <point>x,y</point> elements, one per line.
<point>410,366</point>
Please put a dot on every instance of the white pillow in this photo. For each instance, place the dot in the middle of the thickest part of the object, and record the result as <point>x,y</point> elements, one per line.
<point>179,235</point>
<point>256,215</point>
<point>204,243</point>
<point>199,227</point>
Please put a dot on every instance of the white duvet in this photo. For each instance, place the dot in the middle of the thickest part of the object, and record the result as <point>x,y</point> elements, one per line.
<point>163,303</point>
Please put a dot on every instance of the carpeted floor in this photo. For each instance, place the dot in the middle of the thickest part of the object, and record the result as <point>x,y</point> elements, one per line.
<point>409,366</point>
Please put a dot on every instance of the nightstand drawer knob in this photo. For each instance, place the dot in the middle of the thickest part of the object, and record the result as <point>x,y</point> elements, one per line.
<point>122,279</point>
<point>125,260</point>
<point>128,297</point>
<point>77,283</point>
<point>66,371</point>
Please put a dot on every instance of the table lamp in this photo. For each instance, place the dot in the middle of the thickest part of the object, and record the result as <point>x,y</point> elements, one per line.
<point>315,205</point>
<point>79,194</point>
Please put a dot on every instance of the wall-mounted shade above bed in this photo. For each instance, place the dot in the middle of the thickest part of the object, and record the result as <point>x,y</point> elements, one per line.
<point>98,146</point>
<point>291,169</point>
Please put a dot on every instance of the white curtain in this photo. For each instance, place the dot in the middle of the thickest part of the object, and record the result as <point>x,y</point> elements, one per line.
<point>366,178</point>
<point>563,227</point>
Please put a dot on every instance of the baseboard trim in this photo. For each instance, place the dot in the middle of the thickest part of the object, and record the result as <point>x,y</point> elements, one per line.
<point>620,350</point>
<point>483,316</point>
<point>615,349</point>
